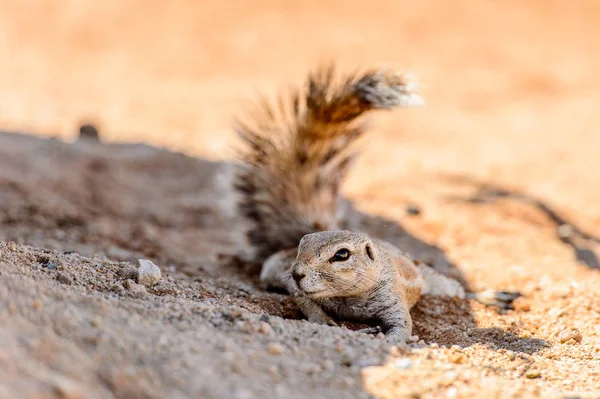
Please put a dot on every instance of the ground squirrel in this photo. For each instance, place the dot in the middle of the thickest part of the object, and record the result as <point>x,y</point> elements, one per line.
<point>294,158</point>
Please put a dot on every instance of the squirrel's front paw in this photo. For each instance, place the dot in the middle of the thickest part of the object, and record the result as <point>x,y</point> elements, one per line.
<point>397,336</point>
<point>395,340</point>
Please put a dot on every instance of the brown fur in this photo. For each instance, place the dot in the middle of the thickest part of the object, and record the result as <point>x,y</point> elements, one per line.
<point>297,153</point>
<point>294,160</point>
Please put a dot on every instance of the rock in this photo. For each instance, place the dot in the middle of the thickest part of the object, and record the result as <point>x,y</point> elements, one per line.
<point>402,364</point>
<point>565,232</point>
<point>412,210</point>
<point>134,287</point>
<point>148,273</point>
<point>37,304</point>
<point>64,278</point>
<point>245,288</point>
<point>275,348</point>
<point>89,132</point>
<point>569,334</point>
<point>457,358</point>
<point>531,374</point>
<point>265,328</point>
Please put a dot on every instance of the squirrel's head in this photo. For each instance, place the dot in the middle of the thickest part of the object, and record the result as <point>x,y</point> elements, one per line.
<point>335,264</point>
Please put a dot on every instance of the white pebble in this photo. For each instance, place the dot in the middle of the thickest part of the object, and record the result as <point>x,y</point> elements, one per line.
<point>402,364</point>
<point>148,273</point>
<point>413,338</point>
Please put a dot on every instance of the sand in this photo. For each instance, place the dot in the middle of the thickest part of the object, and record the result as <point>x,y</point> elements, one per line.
<point>501,163</point>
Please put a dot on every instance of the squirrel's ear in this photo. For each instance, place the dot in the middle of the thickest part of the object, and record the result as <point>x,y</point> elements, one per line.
<point>369,251</point>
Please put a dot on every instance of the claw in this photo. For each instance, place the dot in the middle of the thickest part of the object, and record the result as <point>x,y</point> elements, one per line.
<point>370,330</point>
<point>499,299</point>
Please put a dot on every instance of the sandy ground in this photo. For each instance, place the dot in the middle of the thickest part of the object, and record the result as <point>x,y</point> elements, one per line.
<point>504,153</point>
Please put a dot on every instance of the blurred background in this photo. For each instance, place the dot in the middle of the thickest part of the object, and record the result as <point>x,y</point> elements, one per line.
<point>512,87</point>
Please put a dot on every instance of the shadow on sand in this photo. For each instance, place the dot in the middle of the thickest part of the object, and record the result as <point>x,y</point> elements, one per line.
<point>568,232</point>
<point>127,201</point>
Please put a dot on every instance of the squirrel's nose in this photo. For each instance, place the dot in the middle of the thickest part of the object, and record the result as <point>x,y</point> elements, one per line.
<point>297,273</point>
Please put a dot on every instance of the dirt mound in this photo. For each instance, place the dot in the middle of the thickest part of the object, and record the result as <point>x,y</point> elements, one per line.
<point>76,324</point>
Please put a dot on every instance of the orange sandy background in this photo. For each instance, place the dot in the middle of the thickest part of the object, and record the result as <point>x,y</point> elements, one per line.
<point>512,93</point>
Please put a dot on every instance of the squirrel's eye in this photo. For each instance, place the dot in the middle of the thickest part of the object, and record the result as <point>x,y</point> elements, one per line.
<point>341,255</point>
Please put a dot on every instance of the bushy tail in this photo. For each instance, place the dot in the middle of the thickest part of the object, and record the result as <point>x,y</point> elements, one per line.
<point>297,152</point>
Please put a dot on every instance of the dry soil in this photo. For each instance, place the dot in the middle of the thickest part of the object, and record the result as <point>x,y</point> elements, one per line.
<point>502,163</point>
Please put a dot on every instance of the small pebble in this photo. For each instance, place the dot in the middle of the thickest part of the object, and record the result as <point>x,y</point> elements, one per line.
<point>148,273</point>
<point>97,322</point>
<point>569,334</point>
<point>380,335</point>
<point>245,288</point>
<point>412,210</point>
<point>347,360</point>
<point>134,287</point>
<point>89,132</point>
<point>456,348</point>
<point>565,231</point>
<point>457,358</point>
<point>531,374</point>
<point>413,338</point>
<point>434,345</point>
<point>265,328</point>
<point>37,304</point>
<point>275,348</point>
<point>402,364</point>
<point>64,278</point>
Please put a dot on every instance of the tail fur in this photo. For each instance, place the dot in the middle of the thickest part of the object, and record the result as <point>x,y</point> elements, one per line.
<point>297,152</point>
